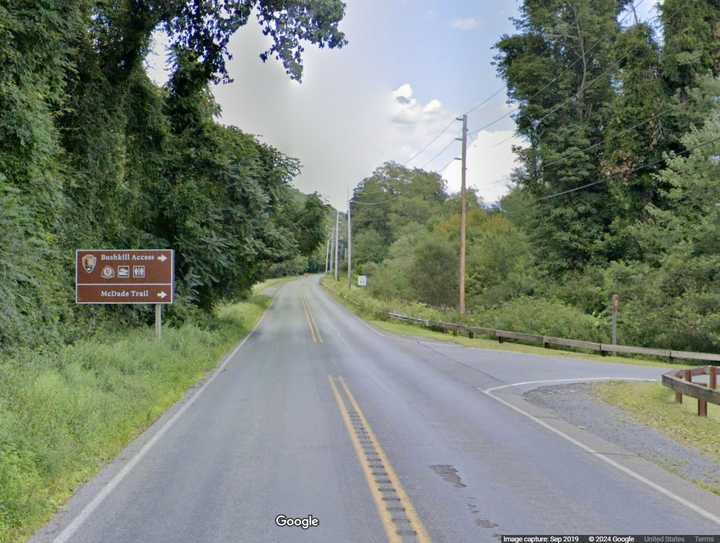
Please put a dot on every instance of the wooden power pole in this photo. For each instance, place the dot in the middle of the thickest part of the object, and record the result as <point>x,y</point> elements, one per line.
<point>337,245</point>
<point>349,245</point>
<point>327,254</point>
<point>463,215</point>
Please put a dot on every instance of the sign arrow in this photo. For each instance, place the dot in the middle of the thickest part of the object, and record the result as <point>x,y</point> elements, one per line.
<point>162,258</point>
<point>162,295</point>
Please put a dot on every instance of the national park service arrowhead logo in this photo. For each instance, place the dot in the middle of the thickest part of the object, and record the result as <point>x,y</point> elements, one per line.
<point>88,263</point>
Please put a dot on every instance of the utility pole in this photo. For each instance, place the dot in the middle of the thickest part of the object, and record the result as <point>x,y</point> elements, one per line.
<point>463,215</point>
<point>337,245</point>
<point>332,249</point>
<point>327,253</point>
<point>349,244</point>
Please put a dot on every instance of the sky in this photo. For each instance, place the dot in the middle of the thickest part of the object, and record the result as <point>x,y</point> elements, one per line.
<point>410,68</point>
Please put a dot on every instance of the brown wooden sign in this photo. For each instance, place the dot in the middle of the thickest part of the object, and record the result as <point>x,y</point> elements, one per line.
<point>125,277</point>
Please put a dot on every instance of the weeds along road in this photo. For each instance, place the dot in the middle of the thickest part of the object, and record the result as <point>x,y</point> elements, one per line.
<point>380,438</point>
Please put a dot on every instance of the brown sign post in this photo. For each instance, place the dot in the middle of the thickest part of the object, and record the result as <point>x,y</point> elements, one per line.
<point>615,310</point>
<point>126,277</point>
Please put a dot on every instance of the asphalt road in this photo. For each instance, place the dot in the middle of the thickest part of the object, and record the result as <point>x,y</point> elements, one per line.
<point>380,438</point>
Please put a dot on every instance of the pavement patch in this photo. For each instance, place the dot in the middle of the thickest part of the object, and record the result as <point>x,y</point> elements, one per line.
<point>450,474</point>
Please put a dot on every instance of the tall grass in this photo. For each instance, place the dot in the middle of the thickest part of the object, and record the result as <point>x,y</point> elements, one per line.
<point>64,414</point>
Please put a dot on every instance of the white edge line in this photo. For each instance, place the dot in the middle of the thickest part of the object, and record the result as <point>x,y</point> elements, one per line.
<point>575,380</point>
<point>88,510</point>
<point>662,490</point>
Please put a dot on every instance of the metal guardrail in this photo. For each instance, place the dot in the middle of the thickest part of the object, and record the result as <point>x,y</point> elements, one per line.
<point>681,381</point>
<point>549,341</point>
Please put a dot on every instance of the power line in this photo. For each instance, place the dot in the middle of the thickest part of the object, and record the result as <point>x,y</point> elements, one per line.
<point>633,170</point>
<point>557,106</point>
<point>601,142</point>
<point>481,104</point>
<point>555,80</point>
<point>589,85</point>
<point>504,116</point>
<point>498,144</point>
<point>501,89</point>
<point>438,154</point>
<point>492,123</point>
<point>421,151</point>
<point>446,165</point>
<point>445,129</point>
<point>590,147</point>
<point>360,203</point>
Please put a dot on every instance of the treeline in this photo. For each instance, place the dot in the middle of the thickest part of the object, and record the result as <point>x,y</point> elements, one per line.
<point>618,189</point>
<point>94,154</point>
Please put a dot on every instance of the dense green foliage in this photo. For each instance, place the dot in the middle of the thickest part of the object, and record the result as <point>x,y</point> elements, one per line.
<point>64,414</point>
<point>407,239</point>
<point>93,154</point>
<point>617,189</point>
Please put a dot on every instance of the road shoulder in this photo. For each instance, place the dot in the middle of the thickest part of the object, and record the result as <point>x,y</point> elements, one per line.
<point>645,472</point>
<point>578,405</point>
<point>90,494</point>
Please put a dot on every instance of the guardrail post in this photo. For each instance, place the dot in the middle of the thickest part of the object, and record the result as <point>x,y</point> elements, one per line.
<point>688,378</point>
<point>712,384</point>
<point>702,393</point>
<point>678,395</point>
<point>702,408</point>
<point>702,404</point>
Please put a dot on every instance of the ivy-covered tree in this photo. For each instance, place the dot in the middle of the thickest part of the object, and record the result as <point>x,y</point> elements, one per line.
<point>94,154</point>
<point>558,68</point>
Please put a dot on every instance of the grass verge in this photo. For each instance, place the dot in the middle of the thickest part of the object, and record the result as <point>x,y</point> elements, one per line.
<point>372,310</point>
<point>63,415</point>
<point>654,405</point>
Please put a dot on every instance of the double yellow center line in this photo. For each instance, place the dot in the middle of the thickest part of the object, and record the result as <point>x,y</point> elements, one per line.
<point>397,514</point>
<point>314,330</point>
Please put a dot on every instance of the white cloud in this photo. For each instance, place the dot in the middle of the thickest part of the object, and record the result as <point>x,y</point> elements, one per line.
<point>406,110</point>
<point>343,121</point>
<point>403,91</point>
<point>469,23</point>
<point>433,106</point>
<point>490,163</point>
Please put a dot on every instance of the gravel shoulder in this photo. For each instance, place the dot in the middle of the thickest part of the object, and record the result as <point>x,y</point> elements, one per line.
<point>576,404</point>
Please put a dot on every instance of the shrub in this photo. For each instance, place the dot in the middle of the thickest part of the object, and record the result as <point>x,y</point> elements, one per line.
<point>547,317</point>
